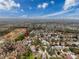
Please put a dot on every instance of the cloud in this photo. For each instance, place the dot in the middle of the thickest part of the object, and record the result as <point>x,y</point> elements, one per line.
<point>8,4</point>
<point>30,8</point>
<point>22,10</point>
<point>69,3</point>
<point>57,13</point>
<point>52,2</point>
<point>24,16</point>
<point>65,11</point>
<point>44,5</point>
<point>32,0</point>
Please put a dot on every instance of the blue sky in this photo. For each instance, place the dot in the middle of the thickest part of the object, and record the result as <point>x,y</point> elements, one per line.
<point>40,8</point>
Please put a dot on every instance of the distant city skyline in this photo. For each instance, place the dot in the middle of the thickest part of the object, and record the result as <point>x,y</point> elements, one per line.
<point>40,9</point>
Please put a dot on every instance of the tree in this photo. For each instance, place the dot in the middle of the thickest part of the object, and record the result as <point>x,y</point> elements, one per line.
<point>20,37</point>
<point>37,42</point>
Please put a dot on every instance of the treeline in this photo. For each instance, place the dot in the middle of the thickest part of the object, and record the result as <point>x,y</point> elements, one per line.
<point>68,31</point>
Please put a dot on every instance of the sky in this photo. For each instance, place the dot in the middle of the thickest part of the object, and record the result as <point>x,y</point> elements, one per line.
<point>40,8</point>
